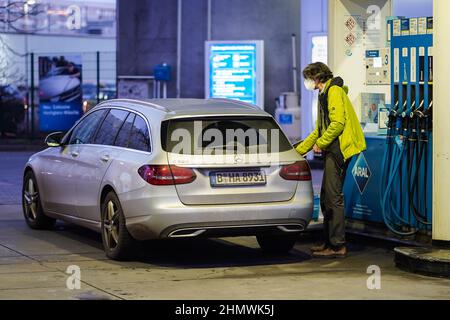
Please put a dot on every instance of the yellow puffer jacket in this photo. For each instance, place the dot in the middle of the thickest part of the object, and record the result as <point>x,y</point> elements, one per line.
<point>344,124</point>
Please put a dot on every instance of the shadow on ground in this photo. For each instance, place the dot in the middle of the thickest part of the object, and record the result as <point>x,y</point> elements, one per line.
<point>190,253</point>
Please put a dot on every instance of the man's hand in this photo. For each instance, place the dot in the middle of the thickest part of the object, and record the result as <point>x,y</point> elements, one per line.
<point>317,149</point>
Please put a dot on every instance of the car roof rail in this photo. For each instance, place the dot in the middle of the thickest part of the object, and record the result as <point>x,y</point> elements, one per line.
<point>136,101</point>
<point>241,103</point>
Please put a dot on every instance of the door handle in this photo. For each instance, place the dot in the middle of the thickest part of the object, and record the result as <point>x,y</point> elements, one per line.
<point>105,158</point>
<point>74,154</point>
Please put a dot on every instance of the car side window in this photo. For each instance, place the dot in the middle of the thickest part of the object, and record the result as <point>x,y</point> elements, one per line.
<point>84,131</point>
<point>124,133</point>
<point>140,137</point>
<point>110,127</point>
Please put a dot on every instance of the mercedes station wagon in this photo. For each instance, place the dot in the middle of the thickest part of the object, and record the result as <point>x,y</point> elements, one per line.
<point>175,168</point>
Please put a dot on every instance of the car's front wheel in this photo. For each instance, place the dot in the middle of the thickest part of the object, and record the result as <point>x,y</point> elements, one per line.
<point>117,241</point>
<point>277,244</point>
<point>32,206</point>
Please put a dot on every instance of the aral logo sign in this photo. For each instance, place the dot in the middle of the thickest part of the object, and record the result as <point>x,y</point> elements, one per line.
<point>361,173</point>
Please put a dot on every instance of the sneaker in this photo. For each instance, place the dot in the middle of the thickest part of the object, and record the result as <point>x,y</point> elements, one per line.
<point>318,247</point>
<point>331,253</point>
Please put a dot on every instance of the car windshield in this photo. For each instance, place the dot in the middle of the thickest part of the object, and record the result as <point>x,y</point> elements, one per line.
<point>223,135</point>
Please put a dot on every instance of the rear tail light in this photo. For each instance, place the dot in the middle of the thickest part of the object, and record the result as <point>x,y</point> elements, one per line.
<point>298,171</point>
<point>162,175</point>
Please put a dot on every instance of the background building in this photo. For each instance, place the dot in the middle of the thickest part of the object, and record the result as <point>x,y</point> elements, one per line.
<point>34,28</point>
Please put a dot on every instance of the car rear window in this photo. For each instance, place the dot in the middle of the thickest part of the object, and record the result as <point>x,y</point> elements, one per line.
<point>223,135</point>
<point>139,137</point>
<point>123,136</point>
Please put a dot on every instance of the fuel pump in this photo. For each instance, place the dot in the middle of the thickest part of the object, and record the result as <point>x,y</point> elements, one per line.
<point>405,186</point>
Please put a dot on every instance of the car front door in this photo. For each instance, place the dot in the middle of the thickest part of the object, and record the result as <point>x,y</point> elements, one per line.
<point>59,186</point>
<point>61,167</point>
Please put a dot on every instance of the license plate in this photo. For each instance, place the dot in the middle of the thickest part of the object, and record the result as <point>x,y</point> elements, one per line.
<point>237,178</point>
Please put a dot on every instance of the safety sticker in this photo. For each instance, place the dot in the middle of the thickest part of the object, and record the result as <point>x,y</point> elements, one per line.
<point>350,39</point>
<point>350,23</point>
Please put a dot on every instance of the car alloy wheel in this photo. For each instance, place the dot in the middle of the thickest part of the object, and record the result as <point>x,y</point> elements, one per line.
<point>33,211</point>
<point>31,198</point>
<point>117,241</point>
<point>111,225</point>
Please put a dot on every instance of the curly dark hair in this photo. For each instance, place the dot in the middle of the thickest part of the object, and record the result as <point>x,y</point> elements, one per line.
<point>318,71</point>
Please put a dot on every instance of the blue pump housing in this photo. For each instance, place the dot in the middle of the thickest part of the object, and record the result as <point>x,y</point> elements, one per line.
<point>391,182</point>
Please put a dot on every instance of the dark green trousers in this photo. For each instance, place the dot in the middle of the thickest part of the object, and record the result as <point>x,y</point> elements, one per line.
<point>332,198</point>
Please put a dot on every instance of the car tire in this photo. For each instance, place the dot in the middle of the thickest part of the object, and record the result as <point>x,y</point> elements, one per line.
<point>117,241</point>
<point>32,205</point>
<point>277,244</point>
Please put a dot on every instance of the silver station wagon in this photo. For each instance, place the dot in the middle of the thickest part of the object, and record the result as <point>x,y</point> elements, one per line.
<point>173,168</point>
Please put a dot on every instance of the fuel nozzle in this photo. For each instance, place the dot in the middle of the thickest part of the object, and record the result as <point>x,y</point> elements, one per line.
<point>405,104</point>
<point>429,116</point>
<point>419,111</point>
<point>412,111</point>
<point>394,110</point>
<point>426,121</point>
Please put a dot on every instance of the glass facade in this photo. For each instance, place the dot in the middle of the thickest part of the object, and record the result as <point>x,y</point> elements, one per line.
<point>78,18</point>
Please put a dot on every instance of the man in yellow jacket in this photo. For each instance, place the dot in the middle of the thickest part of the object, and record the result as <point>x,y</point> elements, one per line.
<point>339,136</point>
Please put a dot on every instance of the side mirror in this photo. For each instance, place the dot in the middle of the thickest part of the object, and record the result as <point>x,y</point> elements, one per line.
<point>54,139</point>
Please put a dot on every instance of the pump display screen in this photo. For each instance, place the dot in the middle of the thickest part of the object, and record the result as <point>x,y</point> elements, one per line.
<point>234,71</point>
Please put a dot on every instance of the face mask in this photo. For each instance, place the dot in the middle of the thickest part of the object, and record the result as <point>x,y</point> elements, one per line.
<point>310,84</point>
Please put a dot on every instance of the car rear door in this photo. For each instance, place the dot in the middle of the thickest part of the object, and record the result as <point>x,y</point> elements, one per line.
<point>94,160</point>
<point>229,172</point>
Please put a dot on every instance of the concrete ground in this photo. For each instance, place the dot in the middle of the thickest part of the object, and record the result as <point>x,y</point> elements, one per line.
<point>33,264</point>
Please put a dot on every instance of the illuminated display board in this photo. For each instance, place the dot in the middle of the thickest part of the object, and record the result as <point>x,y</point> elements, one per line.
<point>235,70</point>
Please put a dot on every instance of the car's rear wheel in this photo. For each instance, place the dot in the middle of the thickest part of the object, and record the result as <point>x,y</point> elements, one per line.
<point>32,206</point>
<point>117,241</point>
<point>277,244</point>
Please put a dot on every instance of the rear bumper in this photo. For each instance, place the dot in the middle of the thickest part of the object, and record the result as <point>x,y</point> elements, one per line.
<point>231,229</point>
<point>170,218</point>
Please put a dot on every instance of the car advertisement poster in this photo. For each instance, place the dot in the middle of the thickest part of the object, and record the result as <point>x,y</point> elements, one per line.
<point>60,93</point>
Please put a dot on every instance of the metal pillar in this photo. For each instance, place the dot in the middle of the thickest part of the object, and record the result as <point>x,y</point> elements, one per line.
<point>32,92</point>
<point>98,77</point>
